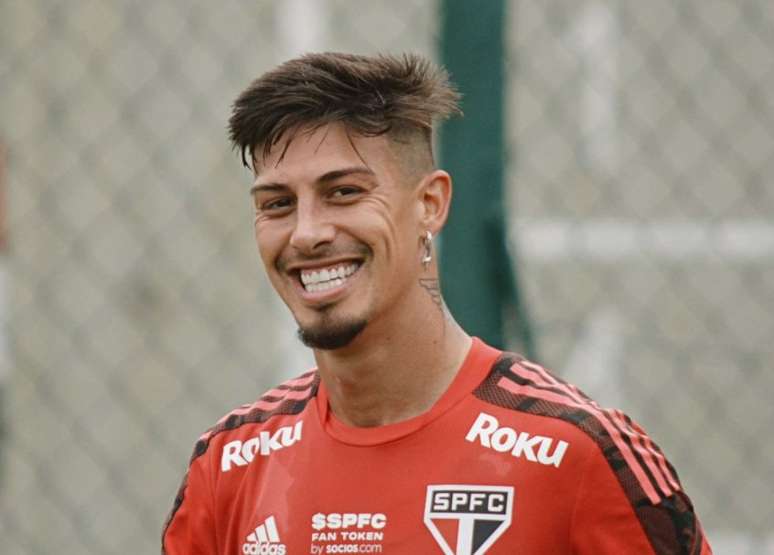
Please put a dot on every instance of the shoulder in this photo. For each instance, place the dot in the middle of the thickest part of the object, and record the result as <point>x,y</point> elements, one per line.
<point>624,463</point>
<point>521,386</point>
<point>278,406</point>
<point>276,414</point>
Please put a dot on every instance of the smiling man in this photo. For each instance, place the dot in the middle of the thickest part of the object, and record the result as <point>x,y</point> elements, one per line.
<point>409,437</point>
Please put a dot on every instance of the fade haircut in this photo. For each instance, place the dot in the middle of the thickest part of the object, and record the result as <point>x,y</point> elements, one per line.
<point>398,96</point>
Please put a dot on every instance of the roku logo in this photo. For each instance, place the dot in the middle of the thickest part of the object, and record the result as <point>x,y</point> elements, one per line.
<point>487,430</point>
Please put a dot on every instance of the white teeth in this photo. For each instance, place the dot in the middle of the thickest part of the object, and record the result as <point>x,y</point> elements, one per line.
<point>328,278</point>
<point>317,287</point>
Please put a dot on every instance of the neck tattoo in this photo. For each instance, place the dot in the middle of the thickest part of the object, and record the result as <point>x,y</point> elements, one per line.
<point>433,289</point>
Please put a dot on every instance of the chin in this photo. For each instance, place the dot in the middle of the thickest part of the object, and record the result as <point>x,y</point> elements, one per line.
<point>329,336</point>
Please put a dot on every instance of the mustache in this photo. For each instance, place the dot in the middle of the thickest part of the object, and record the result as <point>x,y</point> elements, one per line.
<point>357,250</point>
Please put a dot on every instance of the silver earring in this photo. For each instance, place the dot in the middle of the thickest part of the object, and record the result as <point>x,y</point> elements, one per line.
<point>427,242</point>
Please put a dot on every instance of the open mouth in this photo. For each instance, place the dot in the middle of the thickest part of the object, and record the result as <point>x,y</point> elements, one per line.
<point>322,279</point>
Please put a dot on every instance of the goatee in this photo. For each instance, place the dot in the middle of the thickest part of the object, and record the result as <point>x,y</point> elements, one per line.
<point>329,336</point>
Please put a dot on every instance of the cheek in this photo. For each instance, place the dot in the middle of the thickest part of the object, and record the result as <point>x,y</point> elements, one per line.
<point>405,235</point>
<point>268,244</point>
<point>394,223</point>
<point>399,252</point>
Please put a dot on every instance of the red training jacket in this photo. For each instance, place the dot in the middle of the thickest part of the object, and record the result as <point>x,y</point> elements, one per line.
<point>509,460</point>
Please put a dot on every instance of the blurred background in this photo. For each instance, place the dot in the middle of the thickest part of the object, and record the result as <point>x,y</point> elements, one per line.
<point>638,194</point>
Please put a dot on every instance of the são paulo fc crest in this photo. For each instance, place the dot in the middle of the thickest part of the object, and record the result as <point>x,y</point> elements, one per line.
<point>468,520</point>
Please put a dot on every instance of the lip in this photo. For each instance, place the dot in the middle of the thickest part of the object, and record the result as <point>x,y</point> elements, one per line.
<point>329,295</point>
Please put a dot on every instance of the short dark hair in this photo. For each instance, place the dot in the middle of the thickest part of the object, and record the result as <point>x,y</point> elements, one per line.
<point>370,95</point>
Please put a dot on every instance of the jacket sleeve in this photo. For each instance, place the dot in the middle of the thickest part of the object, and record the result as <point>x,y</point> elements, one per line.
<point>611,516</point>
<point>190,526</point>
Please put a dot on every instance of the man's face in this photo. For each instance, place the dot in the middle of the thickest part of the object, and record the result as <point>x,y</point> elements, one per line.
<point>338,230</point>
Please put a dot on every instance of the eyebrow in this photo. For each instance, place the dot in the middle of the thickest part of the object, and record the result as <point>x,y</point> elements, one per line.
<point>332,175</point>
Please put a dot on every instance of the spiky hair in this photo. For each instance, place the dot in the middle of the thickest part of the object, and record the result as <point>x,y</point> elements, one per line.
<point>369,95</point>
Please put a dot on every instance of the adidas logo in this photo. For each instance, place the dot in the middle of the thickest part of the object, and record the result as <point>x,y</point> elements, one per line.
<point>264,540</point>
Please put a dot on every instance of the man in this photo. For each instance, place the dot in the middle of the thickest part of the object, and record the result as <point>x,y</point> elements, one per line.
<point>410,437</point>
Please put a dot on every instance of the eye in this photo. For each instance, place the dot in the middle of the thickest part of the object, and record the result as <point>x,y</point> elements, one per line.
<point>345,191</point>
<point>276,204</point>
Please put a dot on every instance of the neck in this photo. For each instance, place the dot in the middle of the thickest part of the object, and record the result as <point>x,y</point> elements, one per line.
<point>398,367</point>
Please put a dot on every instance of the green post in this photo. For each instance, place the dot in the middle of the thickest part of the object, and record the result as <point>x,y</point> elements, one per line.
<point>477,276</point>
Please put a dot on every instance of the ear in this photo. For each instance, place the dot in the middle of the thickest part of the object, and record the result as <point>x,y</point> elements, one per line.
<point>434,196</point>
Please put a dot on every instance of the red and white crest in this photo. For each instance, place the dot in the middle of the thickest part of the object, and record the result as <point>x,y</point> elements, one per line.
<point>468,519</point>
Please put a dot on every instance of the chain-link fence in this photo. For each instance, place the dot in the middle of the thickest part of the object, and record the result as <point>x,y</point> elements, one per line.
<point>641,142</point>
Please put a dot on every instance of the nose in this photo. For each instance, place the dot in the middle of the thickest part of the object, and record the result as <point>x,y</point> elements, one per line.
<point>313,229</point>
